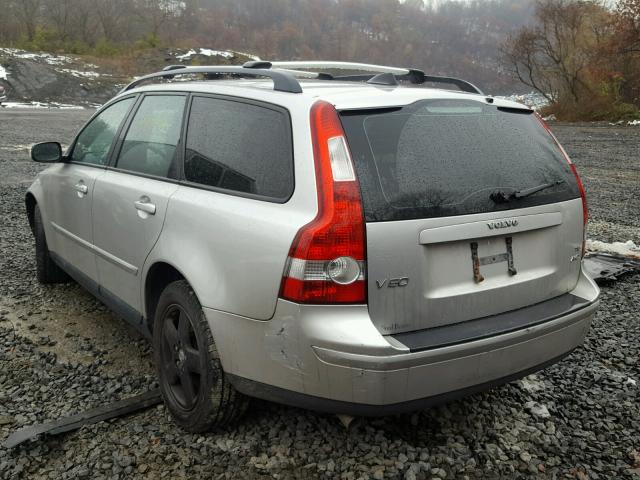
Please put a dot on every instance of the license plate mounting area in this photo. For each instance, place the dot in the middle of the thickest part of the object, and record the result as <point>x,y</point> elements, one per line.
<point>478,261</point>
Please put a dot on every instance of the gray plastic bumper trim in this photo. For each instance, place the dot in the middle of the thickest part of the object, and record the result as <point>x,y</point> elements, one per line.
<point>491,326</point>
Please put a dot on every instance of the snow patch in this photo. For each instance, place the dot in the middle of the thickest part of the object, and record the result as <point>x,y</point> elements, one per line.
<point>56,59</point>
<point>633,122</point>
<point>249,55</point>
<point>3,73</point>
<point>46,57</point>
<point>61,106</point>
<point>207,52</point>
<point>78,73</point>
<point>186,56</point>
<point>216,53</point>
<point>626,249</point>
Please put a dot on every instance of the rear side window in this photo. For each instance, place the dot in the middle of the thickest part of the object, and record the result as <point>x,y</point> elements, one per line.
<point>239,147</point>
<point>438,158</point>
<point>150,146</point>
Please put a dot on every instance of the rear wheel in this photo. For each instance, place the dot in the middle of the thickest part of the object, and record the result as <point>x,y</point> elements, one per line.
<point>192,381</point>
<point>46,269</point>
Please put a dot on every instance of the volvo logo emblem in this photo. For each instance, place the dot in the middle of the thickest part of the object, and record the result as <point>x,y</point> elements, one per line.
<point>502,224</point>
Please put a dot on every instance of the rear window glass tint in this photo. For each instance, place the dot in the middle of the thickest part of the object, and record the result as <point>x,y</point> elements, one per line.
<point>439,158</point>
<point>239,147</point>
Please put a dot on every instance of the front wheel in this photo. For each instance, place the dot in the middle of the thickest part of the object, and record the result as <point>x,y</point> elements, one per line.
<point>192,381</point>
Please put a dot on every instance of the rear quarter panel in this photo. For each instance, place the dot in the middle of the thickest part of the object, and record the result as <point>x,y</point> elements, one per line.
<point>231,249</point>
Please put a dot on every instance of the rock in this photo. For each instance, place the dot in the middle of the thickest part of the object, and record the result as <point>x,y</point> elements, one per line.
<point>531,384</point>
<point>525,457</point>
<point>439,472</point>
<point>6,420</point>
<point>538,410</point>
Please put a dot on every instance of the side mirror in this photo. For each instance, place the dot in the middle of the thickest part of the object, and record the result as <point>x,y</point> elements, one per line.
<point>47,152</point>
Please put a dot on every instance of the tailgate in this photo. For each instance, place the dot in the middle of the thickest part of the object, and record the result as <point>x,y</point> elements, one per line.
<point>429,273</point>
<point>471,210</point>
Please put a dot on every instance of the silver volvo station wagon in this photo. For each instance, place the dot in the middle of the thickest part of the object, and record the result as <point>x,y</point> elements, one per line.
<point>349,242</point>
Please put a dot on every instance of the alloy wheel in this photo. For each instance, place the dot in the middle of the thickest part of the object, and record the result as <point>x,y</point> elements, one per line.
<point>181,357</point>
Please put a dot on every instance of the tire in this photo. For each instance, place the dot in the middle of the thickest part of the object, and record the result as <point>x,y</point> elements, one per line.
<point>192,381</point>
<point>47,271</point>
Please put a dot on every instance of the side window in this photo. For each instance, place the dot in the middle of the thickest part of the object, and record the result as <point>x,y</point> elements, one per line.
<point>150,144</point>
<point>94,142</point>
<point>239,147</point>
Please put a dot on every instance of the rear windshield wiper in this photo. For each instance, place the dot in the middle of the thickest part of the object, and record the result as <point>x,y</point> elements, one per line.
<point>502,197</point>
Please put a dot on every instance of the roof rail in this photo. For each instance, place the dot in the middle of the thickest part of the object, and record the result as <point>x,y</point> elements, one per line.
<point>366,67</point>
<point>283,74</point>
<point>282,81</point>
<point>410,74</point>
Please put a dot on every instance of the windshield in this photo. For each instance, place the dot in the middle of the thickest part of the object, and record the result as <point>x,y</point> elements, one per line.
<point>439,158</point>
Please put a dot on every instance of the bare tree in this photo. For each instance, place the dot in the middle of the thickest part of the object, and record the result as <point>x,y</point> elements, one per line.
<point>59,13</point>
<point>28,11</point>
<point>110,15</point>
<point>159,14</point>
<point>557,56</point>
<point>83,22</point>
<point>629,26</point>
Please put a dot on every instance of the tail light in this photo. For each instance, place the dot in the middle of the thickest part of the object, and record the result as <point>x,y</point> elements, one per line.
<point>585,209</point>
<point>327,258</point>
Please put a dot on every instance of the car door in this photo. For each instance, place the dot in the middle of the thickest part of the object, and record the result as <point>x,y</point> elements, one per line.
<point>69,189</point>
<point>130,199</point>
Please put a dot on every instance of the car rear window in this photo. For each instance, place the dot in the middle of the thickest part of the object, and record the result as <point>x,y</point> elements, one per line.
<point>437,158</point>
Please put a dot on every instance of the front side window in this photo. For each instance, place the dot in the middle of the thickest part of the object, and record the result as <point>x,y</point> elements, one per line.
<point>239,147</point>
<point>150,146</point>
<point>94,142</point>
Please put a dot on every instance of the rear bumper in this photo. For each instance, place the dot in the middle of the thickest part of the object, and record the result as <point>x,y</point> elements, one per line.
<point>309,402</point>
<point>333,359</point>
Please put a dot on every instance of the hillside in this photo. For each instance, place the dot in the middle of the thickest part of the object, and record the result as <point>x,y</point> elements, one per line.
<point>55,79</point>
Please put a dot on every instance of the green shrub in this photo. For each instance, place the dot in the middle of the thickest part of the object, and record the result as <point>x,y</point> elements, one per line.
<point>106,48</point>
<point>150,40</point>
<point>44,39</point>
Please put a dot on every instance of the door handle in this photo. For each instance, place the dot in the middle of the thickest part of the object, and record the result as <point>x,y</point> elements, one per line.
<point>147,207</point>
<point>81,187</point>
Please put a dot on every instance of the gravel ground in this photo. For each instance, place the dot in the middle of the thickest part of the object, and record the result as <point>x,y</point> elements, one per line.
<point>62,352</point>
